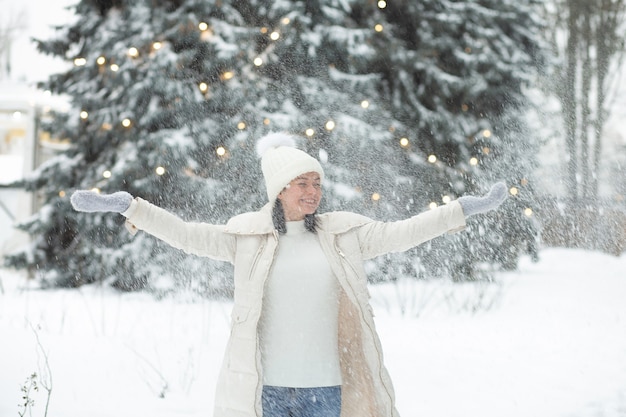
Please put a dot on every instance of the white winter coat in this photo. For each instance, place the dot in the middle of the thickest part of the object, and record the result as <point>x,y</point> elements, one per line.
<point>249,242</point>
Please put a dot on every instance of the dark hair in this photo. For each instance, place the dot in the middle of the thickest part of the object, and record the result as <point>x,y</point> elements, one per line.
<point>278,218</point>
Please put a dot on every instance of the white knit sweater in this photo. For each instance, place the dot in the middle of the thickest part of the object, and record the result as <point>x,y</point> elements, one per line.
<point>298,328</point>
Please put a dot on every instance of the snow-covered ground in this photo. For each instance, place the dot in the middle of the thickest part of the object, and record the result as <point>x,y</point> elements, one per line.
<point>548,341</point>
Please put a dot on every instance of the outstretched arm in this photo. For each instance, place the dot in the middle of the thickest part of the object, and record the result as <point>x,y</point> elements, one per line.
<point>200,239</point>
<point>473,205</point>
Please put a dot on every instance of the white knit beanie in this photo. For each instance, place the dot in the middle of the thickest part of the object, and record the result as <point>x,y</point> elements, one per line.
<point>281,162</point>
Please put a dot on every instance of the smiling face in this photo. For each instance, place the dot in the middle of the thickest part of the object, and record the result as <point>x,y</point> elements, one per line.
<point>302,196</point>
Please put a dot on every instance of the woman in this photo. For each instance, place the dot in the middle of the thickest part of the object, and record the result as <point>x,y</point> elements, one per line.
<point>303,341</point>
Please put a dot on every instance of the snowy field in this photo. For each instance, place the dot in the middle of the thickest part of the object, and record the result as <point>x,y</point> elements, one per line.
<point>546,341</point>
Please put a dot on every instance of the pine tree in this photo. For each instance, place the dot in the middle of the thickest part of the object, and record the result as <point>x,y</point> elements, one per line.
<point>169,98</point>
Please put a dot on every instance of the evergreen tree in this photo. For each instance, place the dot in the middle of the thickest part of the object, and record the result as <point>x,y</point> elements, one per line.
<point>169,98</point>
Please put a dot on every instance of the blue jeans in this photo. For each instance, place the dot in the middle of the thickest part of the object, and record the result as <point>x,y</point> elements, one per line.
<point>301,402</point>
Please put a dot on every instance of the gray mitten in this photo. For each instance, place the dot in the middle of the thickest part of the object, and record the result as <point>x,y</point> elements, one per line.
<point>474,205</point>
<point>90,201</point>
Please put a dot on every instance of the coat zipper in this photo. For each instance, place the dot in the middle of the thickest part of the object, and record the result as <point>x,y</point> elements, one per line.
<point>257,359</point>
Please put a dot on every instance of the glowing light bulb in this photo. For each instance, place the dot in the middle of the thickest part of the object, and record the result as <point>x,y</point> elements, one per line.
<point>487,133</point>
<point>220,151</point>
<point>513,191</point>
<point>204,87</point>
<point>309,132</point>
<point>258,61</point>
<point>365,104</point>
<point>330,125</point>
<point>382,4</point>
<point>80,62</point>
<point>432,159</point>
<point>133,52</point>
<point>528,212</point>
<point>84,115</point>
<point>433,205</point>
<point>203,26</point>
<point>114,67</point>
<point>473,161</point>
<point>274,36</point>
<point>375,197</point>
<point>101,60</point>
<point>241,125</point>
<point>157,45</point>
<point>378,28</point>
<point>106,174</point>
<point>404,142</point>
<point>227,75</point>
<point>159,171</point>
<point>126,122</point>
<point>446,199</point>
<point>61,193</point>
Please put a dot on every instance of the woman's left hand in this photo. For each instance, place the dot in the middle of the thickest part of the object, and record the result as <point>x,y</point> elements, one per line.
<point>473,205</point>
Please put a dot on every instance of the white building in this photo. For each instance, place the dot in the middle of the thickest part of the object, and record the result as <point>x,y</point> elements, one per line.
<point>22,148</point>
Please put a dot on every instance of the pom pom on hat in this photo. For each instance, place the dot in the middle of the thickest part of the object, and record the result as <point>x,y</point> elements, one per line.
<point>281,162</point>
<point>273,141</point>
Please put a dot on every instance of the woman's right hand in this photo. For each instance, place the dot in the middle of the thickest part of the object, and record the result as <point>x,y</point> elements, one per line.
<point>91,201</point>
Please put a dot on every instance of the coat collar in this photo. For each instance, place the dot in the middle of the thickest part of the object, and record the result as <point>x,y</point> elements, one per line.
<point>260,222</point>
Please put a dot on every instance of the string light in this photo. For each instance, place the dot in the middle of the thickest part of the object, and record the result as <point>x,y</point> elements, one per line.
<point>432,159</point>
<point>330,125</point>
<point>106,174</point>
<point>95,190</point>
<point>286,20</point>
<point>80,62</point>
<point>203,26</point>
<point>84,115</point>
<point>446,199</point>
<point>378,28</point>
<point>227,75</point>
<point>204,87</point>
<point>133,52</point>
<point>464,107</point>
<point>365,104</point>
<point>266,121</point>
<point>126,122</point>
<point>241,125</point>
<point>61,193</point>
<point>513,191</point>
<point>258,61</point>
<point>382,4</point>
<point>487,133</point>
<point>404,142</point>
<point>309,132</point>
<point>473,161</point>
<point>159,170</point>
<point>375,197</point>
<point>220,151</point>
<point>274,36</point>
<point>157,45</point>
<point>433,205</point>
<point>115,67</point>
<point>528,212</point>
<point>101,60</point>
<point>264,30</point>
